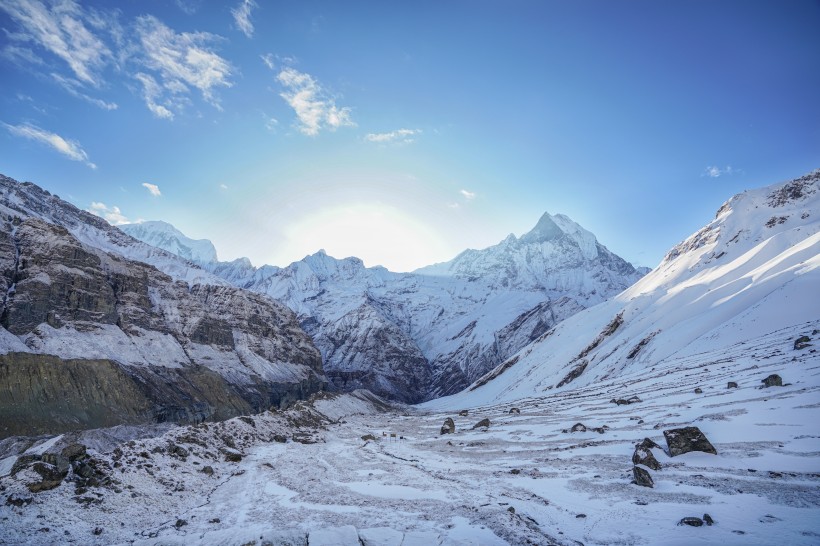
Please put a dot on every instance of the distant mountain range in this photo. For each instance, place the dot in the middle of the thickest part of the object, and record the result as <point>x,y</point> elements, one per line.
<point>415,336</point>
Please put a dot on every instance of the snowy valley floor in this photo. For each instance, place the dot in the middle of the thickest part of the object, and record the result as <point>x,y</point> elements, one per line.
<point>521,480</point>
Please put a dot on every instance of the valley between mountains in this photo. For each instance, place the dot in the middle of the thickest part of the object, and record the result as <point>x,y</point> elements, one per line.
<point>154,395</point>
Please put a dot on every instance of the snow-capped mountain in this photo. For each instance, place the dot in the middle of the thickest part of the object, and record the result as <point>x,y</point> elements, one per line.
<point>165,236</point>
<point>91,337</point>
<point>413,336</point>
<point>754,271</point>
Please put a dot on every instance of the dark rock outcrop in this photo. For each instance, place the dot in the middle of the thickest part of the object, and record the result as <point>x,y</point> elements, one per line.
<point>132,345</point>
<point>684,440</point>
<point>773,380</point>
<point>449,426</point>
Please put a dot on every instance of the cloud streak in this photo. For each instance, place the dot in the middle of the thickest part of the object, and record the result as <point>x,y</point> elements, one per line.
<point>242,17</point>
<point>467,194</point>
<point>60,28</point>
<point>153,189</point>
<point>69,148</point>
<point>113,215</point>
<point>400,136</point>
<point>714,171</point>
<point>182,62</point>
<point>315,109</point>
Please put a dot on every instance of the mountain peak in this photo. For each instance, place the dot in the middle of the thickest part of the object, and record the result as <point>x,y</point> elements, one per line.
<point>165,236</point>
<point>545,230</point>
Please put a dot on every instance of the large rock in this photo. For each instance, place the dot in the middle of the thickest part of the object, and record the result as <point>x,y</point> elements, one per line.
<point>449,426</point>
<point>642,476</point>
<point>773,380</point>
<point>684,440</point>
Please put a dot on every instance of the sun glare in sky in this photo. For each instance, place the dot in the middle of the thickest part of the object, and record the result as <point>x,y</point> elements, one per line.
<point>377,233</point>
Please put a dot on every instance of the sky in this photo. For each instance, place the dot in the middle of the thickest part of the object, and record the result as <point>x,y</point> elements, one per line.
<point>406,132</point>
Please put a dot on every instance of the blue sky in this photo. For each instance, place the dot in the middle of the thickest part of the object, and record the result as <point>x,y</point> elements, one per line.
<point>405,132</point>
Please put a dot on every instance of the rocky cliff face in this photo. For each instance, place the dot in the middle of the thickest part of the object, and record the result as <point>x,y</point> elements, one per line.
<point>161,349</point>
<point>417,336</point>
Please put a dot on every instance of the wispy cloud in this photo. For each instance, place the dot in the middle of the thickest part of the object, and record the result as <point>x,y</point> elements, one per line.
<point>69,148</point>
<point>152,93</point>
<point>400,136</point>
<point>268,59</point>
<point>314,108</point>
<point>467,194</point>
<point>242,17</point>
<point>112,214</point>
<point>714,171</point>
<point>182,61</point>
<point>61,28</point>
<point>73,87</point>
<point>188,7</point>
<point>223,187</point>
<point>153,189</point>
<point>453,205</point>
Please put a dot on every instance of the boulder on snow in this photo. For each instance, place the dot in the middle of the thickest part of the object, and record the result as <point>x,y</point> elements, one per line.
<point>642,476</point>
<point>731,385</point>
<point>50,475</point>
<point>463,413</point>
<point>698,391</point>
<point>578,427</point>
<point>449,426</point>
<point>692,521</point>
<point>801,343</point>
<point>686,439</point>
<point>73,452</point>
<point>369,438</point>
<point>645,457</point>
<point>773,380</point>
<point>708,520</point>
<point>485,423</point>
<point>515,410</point>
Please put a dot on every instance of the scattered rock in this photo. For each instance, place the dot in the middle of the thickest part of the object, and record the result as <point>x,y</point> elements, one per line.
<point>801,343</point>
<point>50,474</point>
<point>247,420</point>
<point>511,510</point>
<point>23,461</point>
<point>279,438</point>
<point>773,380</point>
<point>645,457</point>
<point>233,456</point>
<point>74,452</point>
<point>599,430</point>
<point>580,516</point>
<point>449,426</point>
<point>180,523</point>
<point>369,438</point>
<point>698,391</point>
<point>215,520</point>
<point>625,402</point>
<point>515,410</point>
<point>18,502</point>
<point>642,476</point>
<point>708,519</point>
<point>684,440</point>
<point>177,451</point>
<point>693,521</point>
<point>515,471</point>
<point>731,385</point>
<point>578,427</point>
<point>209,470</point>
<point>98,530</point>
<point>485,423</point>
<point>463,413</point>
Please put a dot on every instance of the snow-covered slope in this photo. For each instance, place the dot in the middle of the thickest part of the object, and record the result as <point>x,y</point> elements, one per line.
<point>430,333</point>
<point>165,236</point>
<point>753,270</point>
